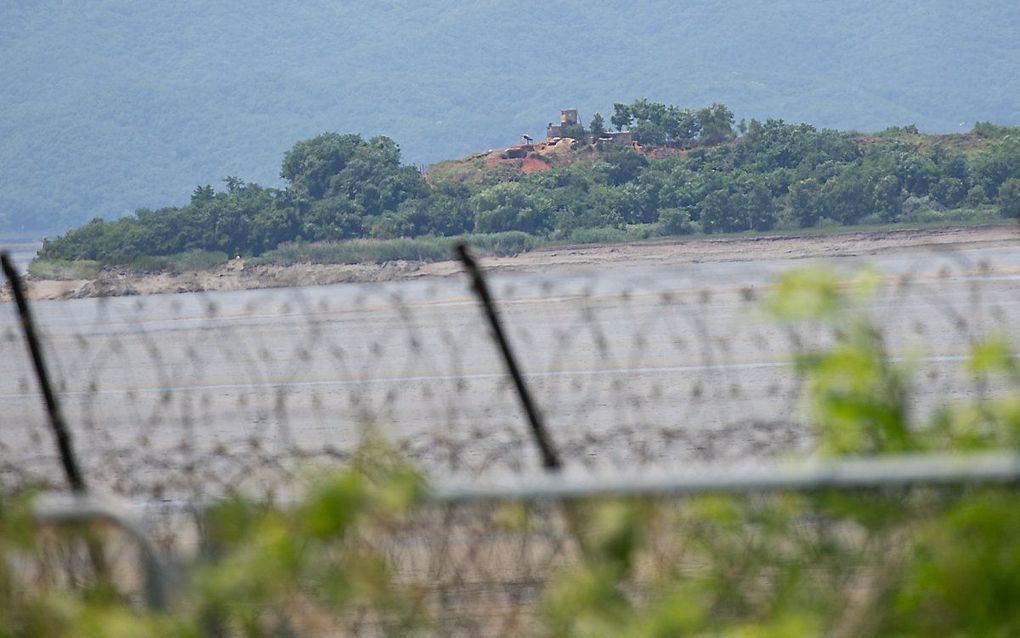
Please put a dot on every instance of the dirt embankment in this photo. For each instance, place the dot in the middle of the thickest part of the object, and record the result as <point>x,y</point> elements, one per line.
<point>236,275</point>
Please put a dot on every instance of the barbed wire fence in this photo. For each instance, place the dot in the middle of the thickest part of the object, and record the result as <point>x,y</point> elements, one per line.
<point>175,400</point>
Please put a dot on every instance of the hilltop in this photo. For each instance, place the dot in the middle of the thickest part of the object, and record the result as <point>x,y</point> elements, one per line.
<point>662,170</point>
<point>514,161</point>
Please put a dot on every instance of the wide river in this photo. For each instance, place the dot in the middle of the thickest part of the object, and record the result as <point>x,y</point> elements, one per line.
<point>639,365</point>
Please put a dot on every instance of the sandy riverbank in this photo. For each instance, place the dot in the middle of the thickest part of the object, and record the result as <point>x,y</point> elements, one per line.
<point>236,275</point>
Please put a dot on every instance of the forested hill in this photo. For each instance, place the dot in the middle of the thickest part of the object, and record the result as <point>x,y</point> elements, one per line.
<point>672,170</point>
<point>111,105</point>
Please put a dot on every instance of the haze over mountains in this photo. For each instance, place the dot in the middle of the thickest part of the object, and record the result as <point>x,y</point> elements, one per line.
<point>108,106</point>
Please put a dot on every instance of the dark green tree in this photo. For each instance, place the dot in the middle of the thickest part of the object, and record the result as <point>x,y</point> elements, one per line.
<point>716,123</point>
<point>846,197</point>
<point>604,208</point>
<point>332,219</point>
<point>888,198</point>
<point>310,164</point>
<point>1009,198</point>
<point>719,215</point>
<point>676,221</point>
<point>994,165</point>
<point>803,202</point>
<point>622,116</point>
<point>623,165</point>
<point>512,206</point>
<point>949,162</point>
<point>949,191</point>
<point>682,126</point>
<point>917,172</point>
<point>760,209</point>
<point>575,131</point>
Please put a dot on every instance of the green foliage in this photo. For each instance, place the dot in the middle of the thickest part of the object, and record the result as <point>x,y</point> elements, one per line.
<point>267,571</point>
<point>623,165</point>
<point>428,248</point>
<point>62,269</point>
<point>919,563</point>
<point>597,128</point>
<point>658,124</point>
<point>962,572</point>
<point>715,124</point>
<point>717,213</point>
<point>994,131</point>
<point>1009,198</point>
<point>676,221</point>
<point>575,131</point>
<point>598,236</point>
<point>500,244</point>
<point>803,202</point>
<point>857,394</point>
<point>343,187</point>
<point>949,191</point>
<point>512,206</point>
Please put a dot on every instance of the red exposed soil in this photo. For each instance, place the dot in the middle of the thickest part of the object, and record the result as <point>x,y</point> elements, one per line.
<point>532,165</point>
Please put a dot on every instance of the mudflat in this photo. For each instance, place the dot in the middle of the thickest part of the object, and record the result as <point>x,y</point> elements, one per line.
<point>237,275</point>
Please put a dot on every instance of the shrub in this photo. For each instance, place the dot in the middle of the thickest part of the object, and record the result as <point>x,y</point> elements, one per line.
<point>597,235</point>
<point>1009,198</point>
<point>62,269</point>
<point>499,244</point>
<point>676,221</point>
<point>427,248</point>
<point>976,196</point>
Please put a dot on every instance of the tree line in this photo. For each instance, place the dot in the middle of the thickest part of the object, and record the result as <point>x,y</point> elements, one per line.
<point>718,177</point>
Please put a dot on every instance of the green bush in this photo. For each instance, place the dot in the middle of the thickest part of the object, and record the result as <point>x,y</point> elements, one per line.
<point>645,231</point>
<point>425,249</point>
<point>1009,198</point>
<point>500,244</point>
<point>598,236</point>
<point>899,562</point>
<point>776,175</point>
<point>274,572</point>
<point>676,221</point>
<point>61,269</point>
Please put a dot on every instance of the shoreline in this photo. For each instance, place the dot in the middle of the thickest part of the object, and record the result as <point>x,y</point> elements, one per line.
<point>236,275</point>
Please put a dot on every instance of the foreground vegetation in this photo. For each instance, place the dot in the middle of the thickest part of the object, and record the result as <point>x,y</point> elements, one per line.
<point>907,561</point>
<point>696,173</point>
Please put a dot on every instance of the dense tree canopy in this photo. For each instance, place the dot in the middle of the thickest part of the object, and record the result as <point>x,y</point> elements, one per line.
<point>708,179</point>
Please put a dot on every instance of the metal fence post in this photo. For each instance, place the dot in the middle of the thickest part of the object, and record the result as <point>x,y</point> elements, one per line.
<point>550,459</point>
<point>60,432</point>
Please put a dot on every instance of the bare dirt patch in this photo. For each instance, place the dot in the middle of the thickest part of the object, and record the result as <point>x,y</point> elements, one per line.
<point>236,275</point>
<point>670,252</point>
<point>532,165</point>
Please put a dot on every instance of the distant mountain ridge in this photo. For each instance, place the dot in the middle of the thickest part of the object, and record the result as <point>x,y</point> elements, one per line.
<point>109,105</point>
